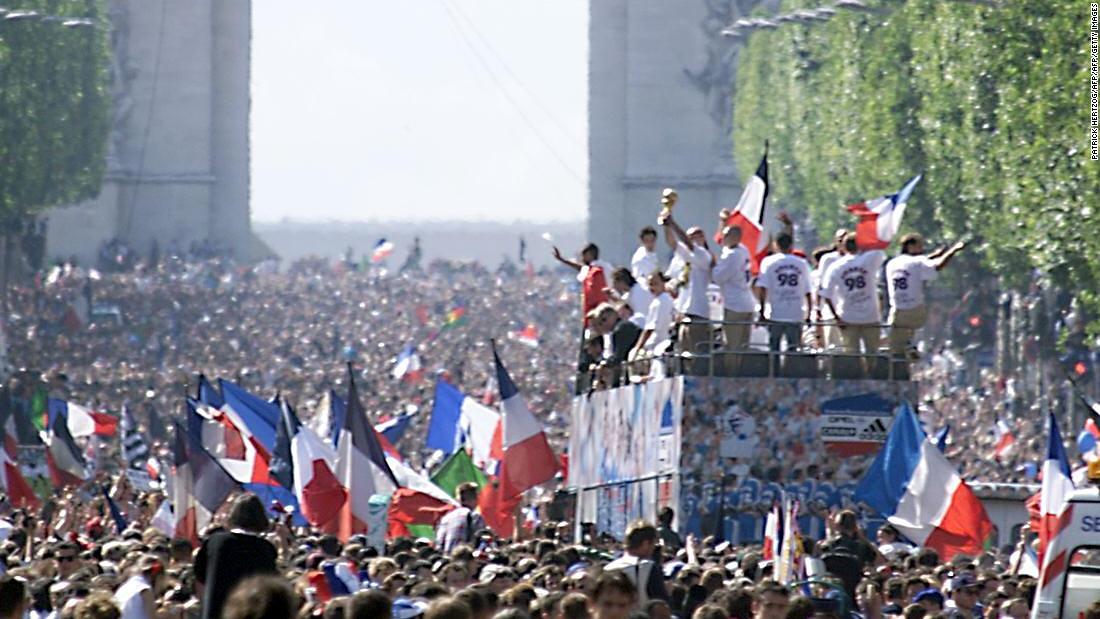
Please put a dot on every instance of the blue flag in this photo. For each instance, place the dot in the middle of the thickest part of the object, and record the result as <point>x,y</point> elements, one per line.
<point>941,437</point>
<point>116,513</point>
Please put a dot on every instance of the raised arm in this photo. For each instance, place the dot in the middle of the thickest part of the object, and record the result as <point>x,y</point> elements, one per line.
<point>576,266</point>
<point>942,261</point>
<point>673,233</point>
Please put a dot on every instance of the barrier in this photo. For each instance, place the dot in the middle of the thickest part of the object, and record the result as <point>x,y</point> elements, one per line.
<point>717,440</point>
<point>756,360</point>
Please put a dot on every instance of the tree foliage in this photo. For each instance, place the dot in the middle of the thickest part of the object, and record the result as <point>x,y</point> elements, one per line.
<point>989,101</point>
<point>54,107</point>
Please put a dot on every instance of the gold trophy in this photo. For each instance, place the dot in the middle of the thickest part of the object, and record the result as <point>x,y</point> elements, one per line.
<point>668,200</point>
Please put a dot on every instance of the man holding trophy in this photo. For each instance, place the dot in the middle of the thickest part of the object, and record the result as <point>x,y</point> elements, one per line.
<point>691,247</point>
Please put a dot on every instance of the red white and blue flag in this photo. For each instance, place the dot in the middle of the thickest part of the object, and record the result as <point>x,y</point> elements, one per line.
<point>1088,440</point>
<point>361,467</point>
<point>459,419</point>
<point>12,482</point>
<point>389,433</point>
<point>199,485</point>
<point>81,420</point>
<point>1005,439</point>
<point>225,437</point>
<point>382,250</point>
<point>773,533</point>
<point>528,335</point>
<point>393,429</point>
<point>880,218</point>
<point>749,213</point>
<point>526,459</point>
<point>1054,515</point>
<point>917,489</point>
<point>63,458</point>
<point>260,416</point>
<point>304,461</point>
<point>407,366</point>
<point>335,579</point>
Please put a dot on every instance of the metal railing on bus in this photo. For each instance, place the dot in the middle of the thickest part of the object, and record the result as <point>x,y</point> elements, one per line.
<point>711,358</point>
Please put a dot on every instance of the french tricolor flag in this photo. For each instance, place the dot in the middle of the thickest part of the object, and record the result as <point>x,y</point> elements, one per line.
<point>361,466</point>
<point>389,433</point>
<point>456,419</point>
<point>1088,441</point>
<point>227,439</point>
<point>382,250</point>
<point>525,454</point>
<point>305,462</point>
<point>63,458</point>
<point>1054,516</point>
<point>917,489</point>
<point>199,485</point>
<point>1005,439</point>
<point>407,366</point>
<point>749,213</point>
<point>12,482</point>
<point>528,336</point>
<point>773,533</point>
<point>82,421</point>
<point>880,219</point>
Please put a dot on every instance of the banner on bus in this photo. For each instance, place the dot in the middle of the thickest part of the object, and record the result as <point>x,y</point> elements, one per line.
<point>856,425</point>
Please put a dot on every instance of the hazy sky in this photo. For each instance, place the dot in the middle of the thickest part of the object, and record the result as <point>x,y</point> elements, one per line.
<point>380,109</point>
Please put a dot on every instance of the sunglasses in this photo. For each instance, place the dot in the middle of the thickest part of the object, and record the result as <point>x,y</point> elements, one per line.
<point>66,558</point>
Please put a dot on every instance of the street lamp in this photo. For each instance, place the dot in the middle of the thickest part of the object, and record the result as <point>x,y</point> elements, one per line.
<point>852,5</point>
<point>21,16</point>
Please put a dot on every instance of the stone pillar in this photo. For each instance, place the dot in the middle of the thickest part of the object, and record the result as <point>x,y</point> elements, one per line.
<point>229,204</point>
<point>165,170</point>
<point>178,158</point>
<point>659,114</point>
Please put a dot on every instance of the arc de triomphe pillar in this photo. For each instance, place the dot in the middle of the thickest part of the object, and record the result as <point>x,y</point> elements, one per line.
<point>660,114</point>
<point>178,153</point>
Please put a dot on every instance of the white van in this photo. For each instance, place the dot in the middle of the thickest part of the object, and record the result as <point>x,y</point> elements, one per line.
<point>1075,583</point>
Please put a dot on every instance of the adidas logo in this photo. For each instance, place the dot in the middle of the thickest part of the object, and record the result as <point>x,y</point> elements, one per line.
<point>876,429</point>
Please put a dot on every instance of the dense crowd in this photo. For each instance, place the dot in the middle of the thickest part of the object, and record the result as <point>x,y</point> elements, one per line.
<point>141,335</point>
<point>249,567</point>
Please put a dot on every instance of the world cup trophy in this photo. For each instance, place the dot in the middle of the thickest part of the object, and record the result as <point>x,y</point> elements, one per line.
<point>668,200</point>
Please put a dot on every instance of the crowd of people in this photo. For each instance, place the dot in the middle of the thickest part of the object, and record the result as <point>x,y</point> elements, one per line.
<point>140,336</point>
<point>250,567</point>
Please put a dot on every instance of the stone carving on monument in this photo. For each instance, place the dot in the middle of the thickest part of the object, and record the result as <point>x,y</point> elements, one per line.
<point>715,78</point>
<point>122,75</point>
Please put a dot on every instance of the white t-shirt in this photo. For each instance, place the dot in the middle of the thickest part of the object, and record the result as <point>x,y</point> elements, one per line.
<point>639,298</point>
<point>643,263</point>
<point>905,277</point>
<point>695,303</point>
<point>659,320</point>
<point>818,275</point>
<point>129,600</point>
<point>675,267</point>
<point>733,274</point>
<point>786,277</point>
<point>852,285</point>
<point>827,259</point>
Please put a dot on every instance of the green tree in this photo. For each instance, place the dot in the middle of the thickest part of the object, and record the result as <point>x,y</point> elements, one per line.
<point>990,102</point>
<point>54,110</point>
